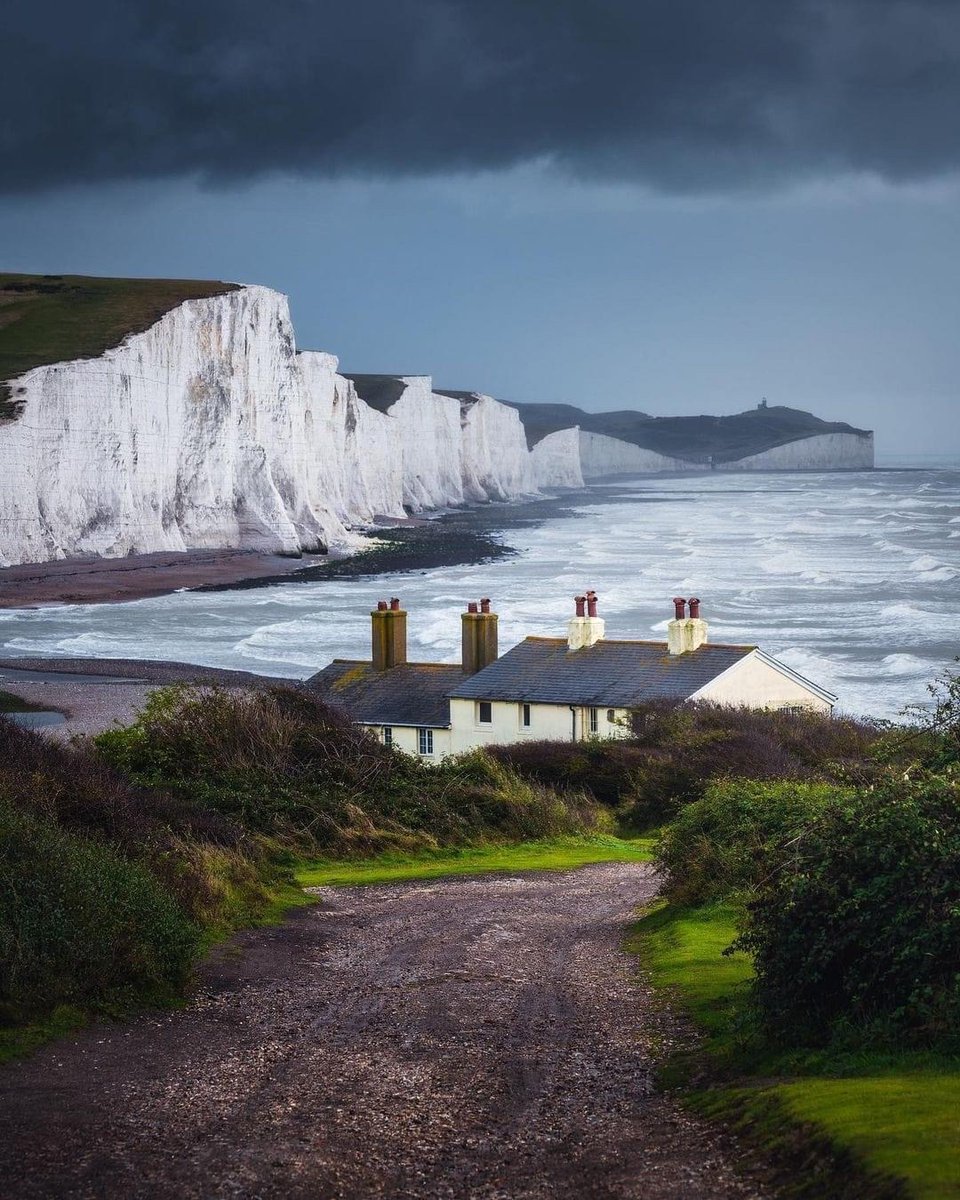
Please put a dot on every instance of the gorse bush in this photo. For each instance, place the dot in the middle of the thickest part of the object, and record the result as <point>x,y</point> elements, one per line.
<point>675,750</point>
<point>731,839</point>
<point>859,928</point>
<point>281,762</point>
<point>80,923</point>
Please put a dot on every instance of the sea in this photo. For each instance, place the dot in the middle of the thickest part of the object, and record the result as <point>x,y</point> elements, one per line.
<point>852,579</point>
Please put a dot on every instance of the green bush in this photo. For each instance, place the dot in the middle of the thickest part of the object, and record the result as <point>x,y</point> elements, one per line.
<point>280,762</point>
<point>675,750</point>
<point>730,839</point>
<point>78,923</point>
<point>859,929</point>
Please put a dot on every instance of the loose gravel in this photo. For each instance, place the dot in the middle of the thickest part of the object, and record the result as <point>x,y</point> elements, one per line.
<point>479,1037</point>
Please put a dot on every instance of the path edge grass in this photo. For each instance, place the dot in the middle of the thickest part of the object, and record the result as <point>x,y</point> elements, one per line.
<point>800,1158</point>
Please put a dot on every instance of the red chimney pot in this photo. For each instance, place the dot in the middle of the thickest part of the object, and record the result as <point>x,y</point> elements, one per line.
<point>381,606</point>
<point>580,602</point>
<point>694,603</point>
<point>679,605</point>
<point>472,606</point>
<point>591,604</point>
<point>394,604</point>
<point>485,604</point>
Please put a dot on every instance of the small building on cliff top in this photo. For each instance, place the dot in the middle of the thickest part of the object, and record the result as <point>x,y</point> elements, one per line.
<point>559,689</point>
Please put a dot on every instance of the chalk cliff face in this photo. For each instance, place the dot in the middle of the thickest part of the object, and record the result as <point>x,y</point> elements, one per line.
<point>209,430</point>
<point>824,452</point>
<point>427,427</point>
<point>601,455</point>
<point>180,437</point>
<point>556,460</point>
<point>496,462</point>
<point>356,457</point>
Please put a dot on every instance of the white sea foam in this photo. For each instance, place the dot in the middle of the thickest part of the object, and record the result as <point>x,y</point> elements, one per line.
<point>907,664</point>
<point>850,584</point>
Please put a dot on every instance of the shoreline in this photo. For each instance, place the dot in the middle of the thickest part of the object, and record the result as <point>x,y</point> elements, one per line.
<point>135,576</point>
<point>458,537</point>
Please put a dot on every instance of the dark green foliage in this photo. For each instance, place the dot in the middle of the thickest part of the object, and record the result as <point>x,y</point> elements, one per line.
<point>282,763</point>
<point>731,839</point>
<point>80,923</point>
<point>860,927</point>
<point>676,750</point>
<point>934,738</point>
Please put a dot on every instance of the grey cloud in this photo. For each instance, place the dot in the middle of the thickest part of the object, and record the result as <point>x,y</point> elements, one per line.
<point>683,95</point>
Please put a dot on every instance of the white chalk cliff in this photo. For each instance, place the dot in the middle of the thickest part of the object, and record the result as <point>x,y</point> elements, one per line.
<point>822,452</point>
<point>210,430</point>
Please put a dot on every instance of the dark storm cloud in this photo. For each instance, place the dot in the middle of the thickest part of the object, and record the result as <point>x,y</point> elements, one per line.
<point>680,94</point>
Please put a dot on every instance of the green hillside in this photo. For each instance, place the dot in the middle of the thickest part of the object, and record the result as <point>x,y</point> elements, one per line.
<point>54,318</point>
<point>697,439</point>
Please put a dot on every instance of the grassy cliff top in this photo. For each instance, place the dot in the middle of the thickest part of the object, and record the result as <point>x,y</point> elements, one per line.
<point>54,318</point>
<point>696,439</point>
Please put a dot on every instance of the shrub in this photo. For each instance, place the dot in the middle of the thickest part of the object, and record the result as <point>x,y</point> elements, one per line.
<point>730,839</point>
<point>675,750</point>
<point>860,927</point>
<point>79,923</point>
<point>281,762</point>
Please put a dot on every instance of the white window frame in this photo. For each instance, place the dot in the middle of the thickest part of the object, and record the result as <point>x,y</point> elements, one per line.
<point>480,704</point>
<point>424,740</point>
<point>387,735</point>
<point>526,715</point>
<point>593,720</point>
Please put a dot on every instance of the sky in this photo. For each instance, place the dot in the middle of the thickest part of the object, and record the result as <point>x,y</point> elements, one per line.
<point>679,206</point>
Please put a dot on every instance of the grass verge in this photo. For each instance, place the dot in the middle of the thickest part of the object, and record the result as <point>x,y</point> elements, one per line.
<point>55,318</point>
<point>863,1124</point>
<point>555,854</point>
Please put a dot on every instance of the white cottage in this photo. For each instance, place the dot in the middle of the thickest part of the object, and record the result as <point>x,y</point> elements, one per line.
<point>559,689</point>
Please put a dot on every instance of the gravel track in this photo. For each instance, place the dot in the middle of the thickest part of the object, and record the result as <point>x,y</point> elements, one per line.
<point>481,1037</point>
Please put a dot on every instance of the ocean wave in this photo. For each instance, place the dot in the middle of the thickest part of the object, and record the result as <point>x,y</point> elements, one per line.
<point>906,664</point>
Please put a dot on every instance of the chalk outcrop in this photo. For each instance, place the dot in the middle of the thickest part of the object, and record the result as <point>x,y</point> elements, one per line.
<point>556,460</point>
<point>603,456</point>
<point>823,452</point>
<point>210,430</point>
<point>188,435</point>
<point>496,462</point>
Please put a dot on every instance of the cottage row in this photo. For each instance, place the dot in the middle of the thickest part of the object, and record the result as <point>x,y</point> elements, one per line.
<point>558,689</point>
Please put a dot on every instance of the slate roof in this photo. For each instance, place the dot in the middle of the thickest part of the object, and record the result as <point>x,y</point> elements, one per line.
<point>414,694</point>
<point>610,673</point>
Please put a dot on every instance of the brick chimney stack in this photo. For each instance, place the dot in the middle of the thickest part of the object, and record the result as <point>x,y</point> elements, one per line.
<point>388,627</point>
<point>585,628</point>
<point>685,634</point>
<point>479,637</point>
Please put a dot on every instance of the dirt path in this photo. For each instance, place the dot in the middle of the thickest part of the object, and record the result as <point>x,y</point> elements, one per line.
<point>464,1038</point>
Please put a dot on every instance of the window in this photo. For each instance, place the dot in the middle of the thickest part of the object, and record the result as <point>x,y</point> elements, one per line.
<point>525,720</point>
<point>388,735</point>
<point>611,716</point>
<point>425,741</point>
<point>485,712</point>
<point>594,720</point>
<point>795,709</point>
